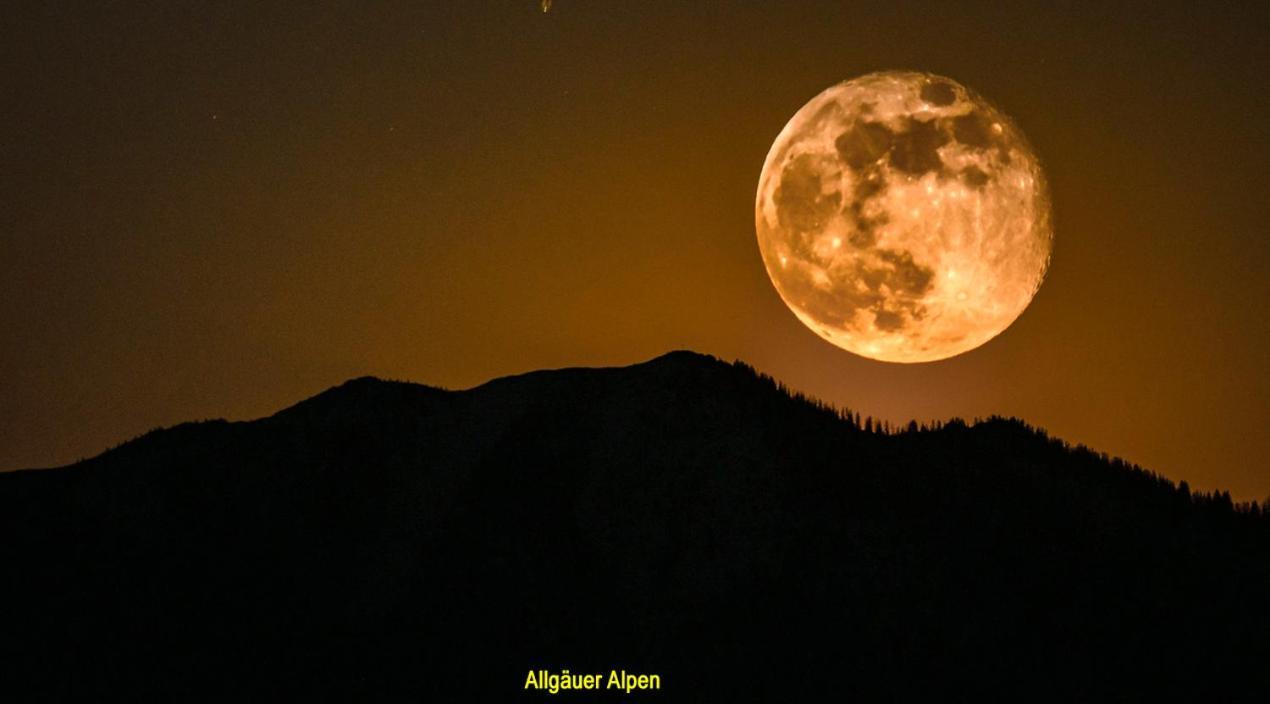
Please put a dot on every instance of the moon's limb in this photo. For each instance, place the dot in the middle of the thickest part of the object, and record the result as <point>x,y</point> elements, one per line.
<point>903,218</point>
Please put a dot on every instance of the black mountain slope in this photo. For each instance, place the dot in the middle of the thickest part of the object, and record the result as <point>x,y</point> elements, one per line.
<point>685,517</point>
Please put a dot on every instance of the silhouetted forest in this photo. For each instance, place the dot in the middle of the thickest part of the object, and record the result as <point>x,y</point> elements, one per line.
<point>688,517</point>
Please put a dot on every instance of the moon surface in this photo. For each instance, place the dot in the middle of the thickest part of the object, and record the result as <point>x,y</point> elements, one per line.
<point>903,218</point>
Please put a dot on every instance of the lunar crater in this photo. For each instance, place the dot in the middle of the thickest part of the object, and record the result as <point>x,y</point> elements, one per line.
<point>903,218</point>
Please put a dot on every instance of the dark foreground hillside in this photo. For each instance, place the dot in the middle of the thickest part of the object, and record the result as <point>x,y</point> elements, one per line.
<point>389,541</point>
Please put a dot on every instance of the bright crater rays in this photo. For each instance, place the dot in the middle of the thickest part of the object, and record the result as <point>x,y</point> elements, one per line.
<point>903,218</point>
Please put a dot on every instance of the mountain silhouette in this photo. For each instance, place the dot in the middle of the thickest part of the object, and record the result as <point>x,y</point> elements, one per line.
<point>684,516</point>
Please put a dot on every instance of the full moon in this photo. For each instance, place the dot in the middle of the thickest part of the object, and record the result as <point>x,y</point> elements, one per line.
<point>903,218</point>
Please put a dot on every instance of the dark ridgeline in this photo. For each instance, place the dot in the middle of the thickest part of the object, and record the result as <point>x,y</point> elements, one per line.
<point>684,516</point>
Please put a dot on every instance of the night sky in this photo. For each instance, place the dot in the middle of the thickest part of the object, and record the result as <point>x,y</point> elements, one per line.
<point>217,209</point>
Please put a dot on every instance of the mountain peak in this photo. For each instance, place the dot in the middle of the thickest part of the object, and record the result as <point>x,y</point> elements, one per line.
<point>685,356</point>
<point>684,510</point>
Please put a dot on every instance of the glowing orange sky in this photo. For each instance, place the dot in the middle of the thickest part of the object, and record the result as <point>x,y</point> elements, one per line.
<point>218,210</point>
